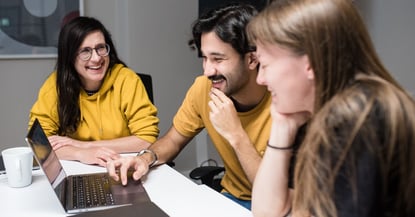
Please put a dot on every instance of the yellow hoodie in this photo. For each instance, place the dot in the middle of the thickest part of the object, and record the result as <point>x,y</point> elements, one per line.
<point>120,108</point>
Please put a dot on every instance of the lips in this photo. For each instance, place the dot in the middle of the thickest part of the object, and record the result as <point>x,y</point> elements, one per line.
<point>94,67</point>
<point>217,80</point>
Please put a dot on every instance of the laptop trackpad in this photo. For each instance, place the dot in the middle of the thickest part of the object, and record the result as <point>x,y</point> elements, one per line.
<point>133,192</point>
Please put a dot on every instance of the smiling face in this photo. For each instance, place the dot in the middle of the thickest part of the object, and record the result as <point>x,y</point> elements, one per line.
<point>223,65</point>
<point>288,77</point>
<point>92,71</point>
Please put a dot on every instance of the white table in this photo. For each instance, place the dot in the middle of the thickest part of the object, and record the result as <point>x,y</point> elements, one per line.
<point>170,190</point>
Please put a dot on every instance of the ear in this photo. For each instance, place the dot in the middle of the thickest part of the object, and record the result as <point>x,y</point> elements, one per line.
<point>252,60</point>
<point>308,69</point>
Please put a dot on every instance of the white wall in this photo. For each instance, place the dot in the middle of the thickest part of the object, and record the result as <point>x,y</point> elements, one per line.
<point>392,27</point>
<point>151,37</point>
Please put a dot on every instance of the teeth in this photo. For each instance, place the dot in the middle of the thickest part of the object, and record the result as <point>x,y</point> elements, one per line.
<point>94,67</point>
<point>217,81</point>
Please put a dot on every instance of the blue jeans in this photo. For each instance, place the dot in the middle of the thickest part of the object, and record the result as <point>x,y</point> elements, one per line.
<point>244,203</point>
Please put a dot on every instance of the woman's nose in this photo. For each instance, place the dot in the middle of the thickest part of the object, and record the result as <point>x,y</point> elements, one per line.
<point>260,77</point>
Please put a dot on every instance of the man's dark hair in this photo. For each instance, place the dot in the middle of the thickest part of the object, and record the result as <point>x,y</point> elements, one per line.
<point>228,23</point>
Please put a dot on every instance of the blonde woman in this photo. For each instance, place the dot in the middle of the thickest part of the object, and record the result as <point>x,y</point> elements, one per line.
<point>357,157</point>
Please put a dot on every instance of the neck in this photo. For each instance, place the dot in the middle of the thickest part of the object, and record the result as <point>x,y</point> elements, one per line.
<point>249,98</point>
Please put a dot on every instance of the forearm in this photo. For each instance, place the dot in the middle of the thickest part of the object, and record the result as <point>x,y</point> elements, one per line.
<point>271,195</point>
<point>91,155</point>
<point>168,146</point>
<point>247,154</point>
<point>69,153</point>
<point>122,145</point>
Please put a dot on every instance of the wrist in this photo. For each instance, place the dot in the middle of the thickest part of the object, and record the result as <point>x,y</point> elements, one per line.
<point>153,157</point>
<point>282,148</point>
<point>237,138</point>
<point>85,144</point>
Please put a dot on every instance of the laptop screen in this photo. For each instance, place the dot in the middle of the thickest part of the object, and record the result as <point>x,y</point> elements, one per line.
<point>48,161</point>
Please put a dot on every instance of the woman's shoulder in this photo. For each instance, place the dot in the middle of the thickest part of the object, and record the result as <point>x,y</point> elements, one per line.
<point>123,75</point>
<point>49,86</point>
<point>123,71</point>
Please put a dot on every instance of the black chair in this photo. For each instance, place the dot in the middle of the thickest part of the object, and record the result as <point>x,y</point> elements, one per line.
<point>208,175</point>
<point>148,84</point>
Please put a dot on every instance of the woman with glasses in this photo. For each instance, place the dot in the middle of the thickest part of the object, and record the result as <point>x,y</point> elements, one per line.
<point>93,107</point>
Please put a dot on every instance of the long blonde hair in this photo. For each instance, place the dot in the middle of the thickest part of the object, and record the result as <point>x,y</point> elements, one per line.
<point>358,105</point>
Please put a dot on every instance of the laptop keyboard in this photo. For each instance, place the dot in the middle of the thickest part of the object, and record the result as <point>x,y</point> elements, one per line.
<point>91,191</point>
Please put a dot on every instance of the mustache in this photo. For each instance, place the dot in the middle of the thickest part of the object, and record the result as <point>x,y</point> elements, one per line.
<point>216,77</point>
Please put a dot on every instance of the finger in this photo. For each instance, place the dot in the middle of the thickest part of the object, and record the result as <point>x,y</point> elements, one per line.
<point>112,154</point>
<point>108,154</point>
<point>215,91</point>
<point>137,175</point>
<point>212,106</point>
<point>56,146</point>
<point>218,94</point>
<point>102,162</point>
<point>111,170</point>
<point>124,170</point>
<point>115,156</point>
<point>214,98</point>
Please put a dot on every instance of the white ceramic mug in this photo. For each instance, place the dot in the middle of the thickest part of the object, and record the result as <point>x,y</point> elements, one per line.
<point>18,163</point>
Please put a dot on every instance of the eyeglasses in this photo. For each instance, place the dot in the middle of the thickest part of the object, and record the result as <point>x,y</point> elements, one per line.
<point>101,50</point>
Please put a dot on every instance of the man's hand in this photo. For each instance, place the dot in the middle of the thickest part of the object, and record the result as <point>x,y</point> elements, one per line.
<point>223,115</point>
<point>118,168</point>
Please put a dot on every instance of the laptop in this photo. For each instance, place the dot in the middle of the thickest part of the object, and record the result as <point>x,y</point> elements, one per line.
<point>86,192</point>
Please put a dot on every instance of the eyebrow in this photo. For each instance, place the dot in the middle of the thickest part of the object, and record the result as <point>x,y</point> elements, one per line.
<point>99,44</point>
<point>215,54</point>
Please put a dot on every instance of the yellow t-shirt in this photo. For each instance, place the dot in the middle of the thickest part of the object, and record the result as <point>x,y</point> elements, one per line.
<point>193,116</point>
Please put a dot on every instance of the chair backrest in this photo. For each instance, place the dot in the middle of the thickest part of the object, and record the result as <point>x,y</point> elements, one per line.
<point>148,84</point>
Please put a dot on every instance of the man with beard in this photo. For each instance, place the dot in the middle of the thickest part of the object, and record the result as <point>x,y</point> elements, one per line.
<point>226,101</point>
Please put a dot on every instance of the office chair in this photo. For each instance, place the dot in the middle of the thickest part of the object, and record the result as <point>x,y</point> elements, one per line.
<point>148,84</point>
<point>208,175</point>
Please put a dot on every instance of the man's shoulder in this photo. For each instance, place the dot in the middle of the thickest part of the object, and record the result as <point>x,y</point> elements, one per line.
<point>202,79</point>
<point>202,83</point>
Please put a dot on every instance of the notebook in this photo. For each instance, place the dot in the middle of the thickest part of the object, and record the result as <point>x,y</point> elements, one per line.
<point>86,192</point>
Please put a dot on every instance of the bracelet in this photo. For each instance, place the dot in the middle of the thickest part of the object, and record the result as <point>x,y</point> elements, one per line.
<point>280,148</point>
<point>153,154</point>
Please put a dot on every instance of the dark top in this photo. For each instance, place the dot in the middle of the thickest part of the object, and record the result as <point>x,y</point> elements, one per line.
<point>361,187</point>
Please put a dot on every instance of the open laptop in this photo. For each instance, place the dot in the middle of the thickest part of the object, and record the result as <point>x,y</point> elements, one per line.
<point>76,193</point>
